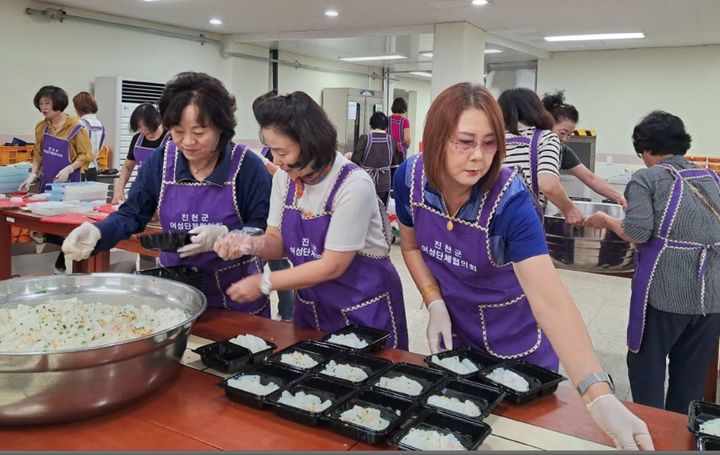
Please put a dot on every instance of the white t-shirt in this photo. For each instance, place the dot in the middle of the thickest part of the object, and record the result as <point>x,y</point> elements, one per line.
<point>95,136</point>
<point>356,223</point>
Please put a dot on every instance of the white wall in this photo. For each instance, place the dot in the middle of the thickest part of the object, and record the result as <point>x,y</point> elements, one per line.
<point>422,90</point>
<point>613,90</point>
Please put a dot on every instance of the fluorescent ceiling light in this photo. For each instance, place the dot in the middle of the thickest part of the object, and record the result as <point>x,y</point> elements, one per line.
<point>479,2</point>
<point>331,13</point>
<point>595,37</point>
<point>493,51</point>
<point>427,54</point>
<point>215,21</point>
<point>421,73</point>
<point>372,58</point>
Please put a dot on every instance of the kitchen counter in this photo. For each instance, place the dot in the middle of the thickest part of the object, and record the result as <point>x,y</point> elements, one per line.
<point>191,413</point>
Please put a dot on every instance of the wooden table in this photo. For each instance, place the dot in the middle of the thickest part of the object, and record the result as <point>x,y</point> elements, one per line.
<point>191,413</point>
<point>99,262</point>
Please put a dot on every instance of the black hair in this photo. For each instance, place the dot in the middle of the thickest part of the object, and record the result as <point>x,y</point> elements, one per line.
<point>58,97</point>
<point>300,118</point>
<point>399,106</point>
<point>146,113</point>
<point>378,121</point>
<point>264,97</point>
<point>555,104</point>
<point>216,106</point>
<point>661,133</point>
<point>523,105</point>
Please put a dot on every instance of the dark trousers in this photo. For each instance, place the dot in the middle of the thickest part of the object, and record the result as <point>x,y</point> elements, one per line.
<point>689,341</point>
<point>384,197</point>
<point>91,175</point>
<point>286,299</point>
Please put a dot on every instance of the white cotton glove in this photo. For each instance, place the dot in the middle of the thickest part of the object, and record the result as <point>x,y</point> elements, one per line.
<point>25,186</point>
<point>238,244</point>
<point>626,430</point>
<point>439,327</point>
<point>80,243</point>
<point>203,238</point>
<point>64,174</point>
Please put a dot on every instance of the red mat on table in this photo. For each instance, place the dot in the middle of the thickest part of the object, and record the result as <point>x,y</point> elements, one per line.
<point>74,218</point>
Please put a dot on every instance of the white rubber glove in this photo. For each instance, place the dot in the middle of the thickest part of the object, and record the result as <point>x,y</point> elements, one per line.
<point>203,239</point>
<point>439,327</point>
<point>25,186</point>
<point>80,243</point>
<point>64,174</point>
<point>626,430</point>
<point>238,244</point>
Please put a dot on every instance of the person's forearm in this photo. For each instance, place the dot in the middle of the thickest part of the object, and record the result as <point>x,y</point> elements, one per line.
<point>36,167</point>
<point>615,225</point>
<point>560,319</point>
<point>595,183</point>
<point>272,246</point>
<point>125,173</point>
<point>550,186</point>
<point>420,273</point>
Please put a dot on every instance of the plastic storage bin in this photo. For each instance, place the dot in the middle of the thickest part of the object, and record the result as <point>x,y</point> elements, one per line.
<point>79,191</point>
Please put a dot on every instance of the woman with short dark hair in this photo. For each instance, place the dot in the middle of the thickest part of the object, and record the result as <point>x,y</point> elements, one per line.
<point>374,153</point>
<point>200,183</point>
<point>326,218</point>
<point>475,248</point>
<point>673,217</point>
<point>62,146</point>
<point>151,135</point>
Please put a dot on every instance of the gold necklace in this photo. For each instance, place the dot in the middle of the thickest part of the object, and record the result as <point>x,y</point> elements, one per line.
<point>450,224</point>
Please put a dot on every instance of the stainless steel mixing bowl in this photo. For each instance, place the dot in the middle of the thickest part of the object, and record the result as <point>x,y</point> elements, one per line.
<point>587,249</point>
<point>57,386</point>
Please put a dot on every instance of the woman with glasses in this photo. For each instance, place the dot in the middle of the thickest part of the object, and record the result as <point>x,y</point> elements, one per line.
<point>471,237</point>
<point>326,218</point>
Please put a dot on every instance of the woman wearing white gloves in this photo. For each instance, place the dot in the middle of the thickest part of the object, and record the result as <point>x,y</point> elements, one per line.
<point>200,183</point>
<point>62,146</point>
<point>471,237</point>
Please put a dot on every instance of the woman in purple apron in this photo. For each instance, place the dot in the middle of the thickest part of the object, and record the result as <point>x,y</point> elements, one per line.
<point>62,146</point>
<point>200,183</point>
<point>377,154</point>
<point>673,216</point>
<point>471,237</point>
<point>325,216</point>
<point>151,135</point>
<point>536,149</point>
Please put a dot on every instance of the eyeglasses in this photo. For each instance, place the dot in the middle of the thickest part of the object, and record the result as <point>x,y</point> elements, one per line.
<point>468,145</point>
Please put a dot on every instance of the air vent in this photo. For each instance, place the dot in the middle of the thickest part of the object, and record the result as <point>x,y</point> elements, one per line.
<point>141,92</point>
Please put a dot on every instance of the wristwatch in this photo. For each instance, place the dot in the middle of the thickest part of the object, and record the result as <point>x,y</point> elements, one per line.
<point>593,378</point>
<point>265,285</point>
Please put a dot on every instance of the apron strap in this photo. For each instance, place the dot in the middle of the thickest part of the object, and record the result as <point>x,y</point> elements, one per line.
<point>75,131</point>
<point>672,203</point>
<point>238,155</point>
<point>342,176</point>
<point>491,197</point>
<point>417,189</point>
<point>170,161</point>
<point>534,158</point>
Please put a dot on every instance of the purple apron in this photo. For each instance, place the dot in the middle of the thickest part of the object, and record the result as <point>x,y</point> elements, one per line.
<point>487,306</point>
<point>533,152</point>
<point>380,175</point>
<point>649,253</point>
<point>400,122</point>
<point>56,157</point>
<point>143,153</point>
<point>92,129</point>
<point>368,293</point>
<point>264,152</point>
<point>184,206</point>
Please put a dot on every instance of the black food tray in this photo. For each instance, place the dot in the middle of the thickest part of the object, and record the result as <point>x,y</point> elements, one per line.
<point>542,381</point>
<point>317,350</point>
<point>470,433</point>
<point>375,338</point>
<point>428,378</point>
<point>268,372</point>
<point>229,357</point>
<point>372,397</point>
<point>700,412</point>
<point>182,273</point>
<point>371,365</point>
<point>480,359</point>
<point>708,443</point>
<point>484,396</point>
<point>164,241</point>
<point>322,386</point>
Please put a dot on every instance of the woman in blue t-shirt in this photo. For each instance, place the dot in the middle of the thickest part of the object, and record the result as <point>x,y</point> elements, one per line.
<point>471,236</point>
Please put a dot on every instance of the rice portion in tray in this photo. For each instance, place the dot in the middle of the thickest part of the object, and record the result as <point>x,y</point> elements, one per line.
<point>431,440</point>
<point>302,400</point>
<point>365,417</point>
<point>251,383</point>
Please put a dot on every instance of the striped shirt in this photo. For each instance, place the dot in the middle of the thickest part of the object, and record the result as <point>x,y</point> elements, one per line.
<point>675,287</point>
<point>518,155</point>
